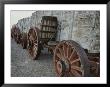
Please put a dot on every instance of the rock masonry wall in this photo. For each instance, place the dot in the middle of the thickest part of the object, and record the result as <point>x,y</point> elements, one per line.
<point>80,26</point>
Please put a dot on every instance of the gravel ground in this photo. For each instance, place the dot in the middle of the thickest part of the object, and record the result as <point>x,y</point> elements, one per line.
<point>23,66</point>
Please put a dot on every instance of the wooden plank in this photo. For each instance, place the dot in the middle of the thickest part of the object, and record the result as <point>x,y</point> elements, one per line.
<point>48,26</point>
<point>47,32</point>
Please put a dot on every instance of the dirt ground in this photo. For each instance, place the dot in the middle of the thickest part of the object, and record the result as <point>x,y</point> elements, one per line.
<point>22,64</point>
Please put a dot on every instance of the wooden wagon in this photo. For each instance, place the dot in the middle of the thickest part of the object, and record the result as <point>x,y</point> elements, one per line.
<point>70,59</point>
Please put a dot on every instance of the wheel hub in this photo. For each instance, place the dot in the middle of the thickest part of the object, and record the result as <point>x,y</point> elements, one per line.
<point>63,67</point>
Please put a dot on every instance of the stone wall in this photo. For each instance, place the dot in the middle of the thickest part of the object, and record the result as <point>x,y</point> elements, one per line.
<point>80,26</point>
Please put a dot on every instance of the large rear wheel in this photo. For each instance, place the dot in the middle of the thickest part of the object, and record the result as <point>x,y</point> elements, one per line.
<point>71,60</point>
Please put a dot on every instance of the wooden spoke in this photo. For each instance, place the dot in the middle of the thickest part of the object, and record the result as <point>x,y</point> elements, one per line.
<point>34,51</point>
<point>76,68</point>
<point>75,73</point>
<point>59,55</point>
<point>35,41</point>
<point>35,44</point>
<point>73,54</point>
<point>68,51</point>
<point>56,60</point>
<point>75,61</point>
<point>65,50</point>
<point>61,52</point>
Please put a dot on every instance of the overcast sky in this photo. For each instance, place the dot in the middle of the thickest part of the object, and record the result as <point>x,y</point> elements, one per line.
<point>16,15</point>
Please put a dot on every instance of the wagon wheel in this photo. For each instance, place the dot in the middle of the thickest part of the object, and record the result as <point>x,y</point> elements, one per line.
<point>95,68</point>
<point>11,32</point>
<point>15,35</point>
<point>71,60</point>
<point>18,36</point>
<point>33,43</point>
<point>24,40</point>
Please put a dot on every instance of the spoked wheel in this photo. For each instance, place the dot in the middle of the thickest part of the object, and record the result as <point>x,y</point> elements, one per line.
<point>24,40</point>
<point>33,43</point>
<point>71,60</point>
<point>12,33</point>
<point>18,36</point>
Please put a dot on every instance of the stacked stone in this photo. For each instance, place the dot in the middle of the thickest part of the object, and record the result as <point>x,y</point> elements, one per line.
<point>86,30</point>
<point>24,24</point>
